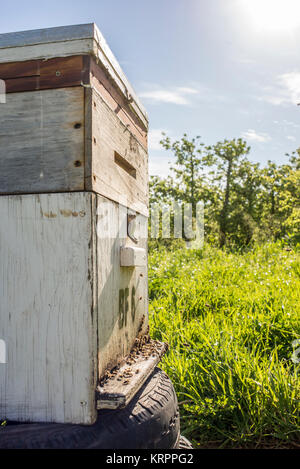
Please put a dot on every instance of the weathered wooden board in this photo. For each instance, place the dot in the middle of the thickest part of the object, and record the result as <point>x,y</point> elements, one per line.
<point>62,72</point>
<point>122,291</point>
<point>68,310</point>
<point>46,35</point>
<point>48,320</point>
<point>100,80</point>
<point>32,75</point>
<point>45,50</point>
<point>110,142</point>
<point>65,41</point>
<point>131,256</point>
<point>119,386</point>
<point>42,141</point>
<point>70,139</point>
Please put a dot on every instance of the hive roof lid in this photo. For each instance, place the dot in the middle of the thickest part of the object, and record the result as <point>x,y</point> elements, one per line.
<point>43,36</point>
<point>70,40</point>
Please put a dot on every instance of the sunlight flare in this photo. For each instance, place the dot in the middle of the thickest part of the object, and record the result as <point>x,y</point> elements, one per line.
<point>273,15</point>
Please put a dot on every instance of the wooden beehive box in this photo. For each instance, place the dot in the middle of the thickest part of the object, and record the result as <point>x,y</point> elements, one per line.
<point>73,283</point>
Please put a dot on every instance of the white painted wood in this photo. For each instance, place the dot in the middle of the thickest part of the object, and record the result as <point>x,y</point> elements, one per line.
<point>65,41</point>
<point>122,291</point>
<point>132,256</point>
<point>47,312</point>
<point>40,150</point>
<point>68,310</point>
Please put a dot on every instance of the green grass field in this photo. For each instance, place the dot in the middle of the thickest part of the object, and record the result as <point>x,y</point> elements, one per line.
<point>230,320</point>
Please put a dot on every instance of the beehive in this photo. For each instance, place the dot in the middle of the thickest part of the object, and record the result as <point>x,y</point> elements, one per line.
<point>73,176</point>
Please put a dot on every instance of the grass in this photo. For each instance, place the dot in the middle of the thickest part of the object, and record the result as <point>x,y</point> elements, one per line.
<point>230,320</point>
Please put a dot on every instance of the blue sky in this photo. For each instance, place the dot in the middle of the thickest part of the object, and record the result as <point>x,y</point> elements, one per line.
<point>215,68</point>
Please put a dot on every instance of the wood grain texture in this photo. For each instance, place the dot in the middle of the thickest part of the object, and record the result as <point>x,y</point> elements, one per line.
<point>67,140</point>
<point>122,291</point>
<point>131,256</point>
<point>40,149</point>
<point>29,68</point>
<point>46,50</point>
<point>46,35</point>
<point>99,79</point>
<point>68,310</point>
<point>48,319</point>
<point>88,136</point>
<point>65,41</point>
<point>122,386</point>
<point>59,72</point>
<point>110,135</point>
<point>104,55</point>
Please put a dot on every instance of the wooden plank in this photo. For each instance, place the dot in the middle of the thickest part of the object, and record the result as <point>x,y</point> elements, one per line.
<point>57,72</point>
<point>42,141</point>
<point>68,310</point>
<point>131,256</point>
<point>29,68</point>
<point>119,386</point>
<point>110,135</point>
<point>47,143</point>
<point>46,35</point>
<point>40,74</point>
<point>62,72</point>
<point>122,297</point>
<point>15,85</point>
<point>116,101</point>
<point>48,318</point>
<point>103,54</point>
<point>47,50</point>
<point>88,137</point>
<point>65,41</point>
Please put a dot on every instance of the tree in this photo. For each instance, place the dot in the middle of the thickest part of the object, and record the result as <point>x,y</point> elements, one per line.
<point>244,203</point>
<point>187,168</point>
<point>225,156</point>
<point>289,200</point>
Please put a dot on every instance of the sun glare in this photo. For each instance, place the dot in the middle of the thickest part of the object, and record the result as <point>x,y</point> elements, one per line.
<point>273,15</point>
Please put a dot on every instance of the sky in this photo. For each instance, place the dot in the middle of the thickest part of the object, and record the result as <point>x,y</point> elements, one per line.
<point>214,68</point>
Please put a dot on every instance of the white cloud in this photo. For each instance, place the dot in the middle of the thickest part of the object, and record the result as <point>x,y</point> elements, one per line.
<point>273,99</point>
<point>284,123</point>
<point>159,166</point>
<point>173,95</point>
<point>187,90</point>
<point>289,123</point>
<point>286,90</point>
<point>154,137</point>
<point>291,137</point>
<point>254,136</point>
<point>245,61</point>
<point>291,82</point>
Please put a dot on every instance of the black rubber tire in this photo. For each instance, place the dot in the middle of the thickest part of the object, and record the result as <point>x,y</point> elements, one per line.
<point>150,421</point>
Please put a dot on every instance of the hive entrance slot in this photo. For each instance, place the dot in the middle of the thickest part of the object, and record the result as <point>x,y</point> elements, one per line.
<point>124,164</point>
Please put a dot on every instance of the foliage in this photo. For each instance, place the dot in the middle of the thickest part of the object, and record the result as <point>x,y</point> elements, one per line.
<point>230,319</point>
<point>244,203</point>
